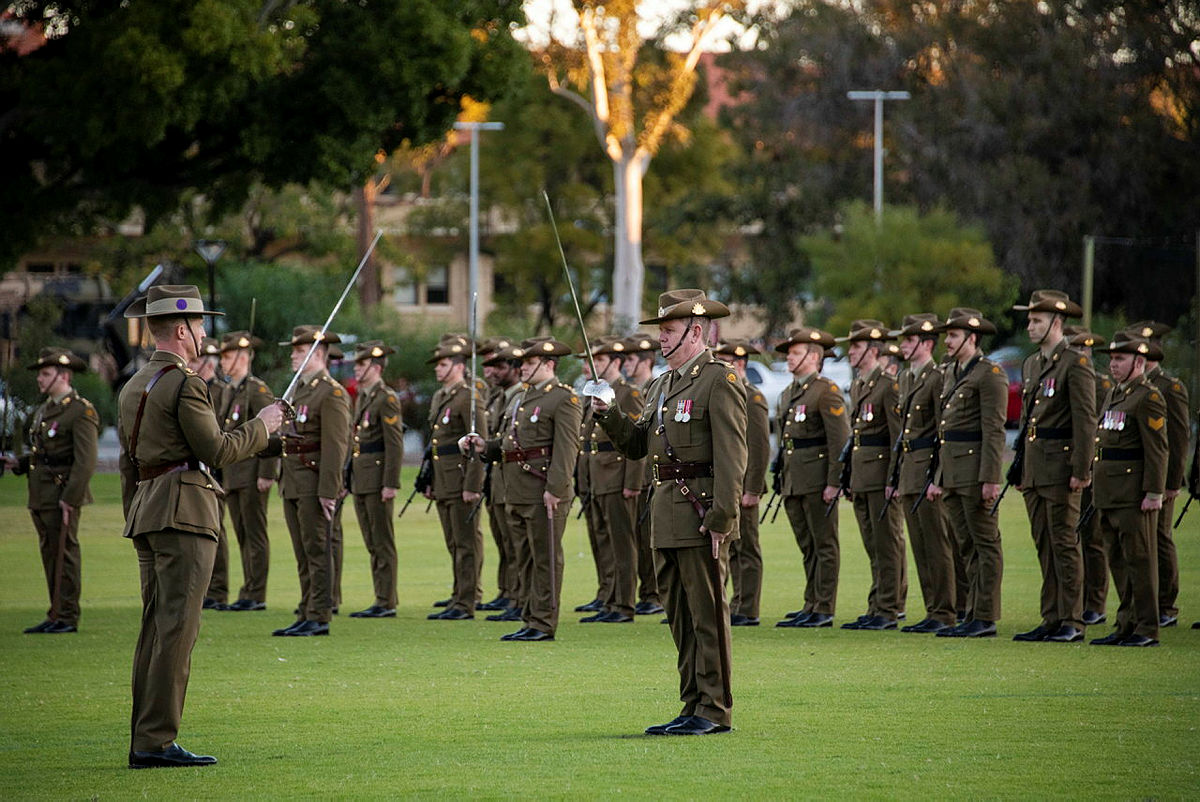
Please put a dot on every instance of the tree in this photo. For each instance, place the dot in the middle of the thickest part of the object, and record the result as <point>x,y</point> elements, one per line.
<point>632,104</point>
<point>911,262</point>
<point>218,95</point>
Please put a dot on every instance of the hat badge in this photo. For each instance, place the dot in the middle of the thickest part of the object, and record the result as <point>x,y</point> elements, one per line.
<point>243,342</point>
<point>876,334</point>
<point>662,310</point>
<point>927,326</point>
<point>618,346</point>
<point>518,352</point>
<point>547,347</point>
<point>455,348</point>
<point>63,359</point>
<point>739,351</point>
<point>1147,331</point>
<point>503,344</point>
<point>1142,348</point>
<point>813,335</point>
<point>1060,305</point>
<point>318,336</point>
<point>974,321</point>
<point>377,351</point>
<point>697,308</point>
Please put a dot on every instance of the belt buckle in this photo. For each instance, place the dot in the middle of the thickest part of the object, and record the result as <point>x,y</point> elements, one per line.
<point>654,472</point>
<point>857,439</point>
<point>1032,431</point>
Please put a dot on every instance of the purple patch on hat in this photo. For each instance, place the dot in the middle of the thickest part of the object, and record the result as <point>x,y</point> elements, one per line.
<point>181,304</point>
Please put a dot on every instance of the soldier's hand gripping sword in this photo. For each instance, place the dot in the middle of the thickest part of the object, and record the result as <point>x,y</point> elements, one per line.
<point>596,387</point>
<point>285,400</point>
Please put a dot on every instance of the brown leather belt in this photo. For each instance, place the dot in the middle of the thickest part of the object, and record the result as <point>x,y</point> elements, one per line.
<point>146,474</point>
<point>1050,433</point>
<point>526,454</point>
<point>681,470</point>
<point>55,462</point>
<point>300,448</point>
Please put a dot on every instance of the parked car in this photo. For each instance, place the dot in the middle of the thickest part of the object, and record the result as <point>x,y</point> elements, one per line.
<point>1010,358</point>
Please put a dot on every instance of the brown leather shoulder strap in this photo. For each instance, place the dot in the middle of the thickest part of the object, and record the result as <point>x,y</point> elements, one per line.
<point>137,421</point>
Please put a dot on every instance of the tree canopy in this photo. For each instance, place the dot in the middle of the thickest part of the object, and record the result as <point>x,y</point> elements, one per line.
<point>133,104</point>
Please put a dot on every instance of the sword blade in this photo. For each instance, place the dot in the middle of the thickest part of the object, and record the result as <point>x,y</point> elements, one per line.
<point>587,346</point>
<point>291,388</point>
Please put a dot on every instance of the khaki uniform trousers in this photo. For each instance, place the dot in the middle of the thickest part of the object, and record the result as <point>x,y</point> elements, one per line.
<point>218,585</point>
<point>977,534</point>
<point>746,565</point>
<point>1129,535</point>
<point>933,551</point>
<point>614,517</point>
<point>601,545</point>
<point>884,544</point>
<point>1095,560</point>
<point>375,521</point>
<point>335,547</point>
<point>53,541</point>
<point>464,539</point>
<point>248,514</point>
<point>693,592</point>
<point>544,562</point>
<point>521,555</point>
<point>175,568</point>
<point>647,582</point>
<point>1168,560</point>
<point>506,561</point>
<point>312,544</point>
<point>817,537</point>
<point>1053,514</point>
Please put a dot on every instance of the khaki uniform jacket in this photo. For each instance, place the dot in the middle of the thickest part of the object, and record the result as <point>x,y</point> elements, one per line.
<point>1104,383</point>
<point>178,424</point>
<point>62,447</point>
<point>500,410</point>
<point>377,448</point>
<point>1058,398</point>
<point>241,403</point>
<point>603,469</point>
<point>546,416</point>
<point>758,440</point>
<point>714,434</point>
<point>1134,416</point>
<point>874,425</point>
<point>449,421</point>
<point>976,402</point>
<point>1178,430</point>
<point>812,411</point>
<point>324,406</point>
<point>919,398</point>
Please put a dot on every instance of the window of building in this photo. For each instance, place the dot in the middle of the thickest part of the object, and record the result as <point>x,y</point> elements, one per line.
<point>437,285</point>
<point>404,288</point>
<point>40,267</point>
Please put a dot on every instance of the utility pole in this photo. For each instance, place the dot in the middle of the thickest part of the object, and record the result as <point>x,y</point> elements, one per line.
<point>878,96</point>
<point>473,252</point>
<point>1089,278</point>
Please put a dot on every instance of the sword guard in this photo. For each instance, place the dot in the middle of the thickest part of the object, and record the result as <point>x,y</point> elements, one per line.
<point>289,411</point>
<point>600,389</point>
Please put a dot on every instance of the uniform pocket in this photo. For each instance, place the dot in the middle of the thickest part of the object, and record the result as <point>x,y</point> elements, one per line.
<point>196,504</point>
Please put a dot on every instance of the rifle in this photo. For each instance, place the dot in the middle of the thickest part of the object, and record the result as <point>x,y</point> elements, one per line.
<point>776,481</point>
<point>646,508</point>
<point>1193,485</point>
<point>934,459</point>
<point>844,479</point>
<point>424,479</point>
<point>1013,475</point>
<point>1086,518</point>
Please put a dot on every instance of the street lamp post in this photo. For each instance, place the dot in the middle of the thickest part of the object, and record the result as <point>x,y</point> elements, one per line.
<point>878,96</point>
<point>473,252</point>
<point>210,251</point>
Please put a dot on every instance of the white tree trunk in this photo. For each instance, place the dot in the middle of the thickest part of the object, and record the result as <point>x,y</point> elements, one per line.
<point>628,271</point>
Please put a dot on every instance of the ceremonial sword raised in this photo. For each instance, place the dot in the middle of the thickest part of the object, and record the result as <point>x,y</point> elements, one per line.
<point>286,399</point>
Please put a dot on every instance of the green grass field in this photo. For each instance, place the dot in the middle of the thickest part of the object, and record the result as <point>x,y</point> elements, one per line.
<point>409,707</point>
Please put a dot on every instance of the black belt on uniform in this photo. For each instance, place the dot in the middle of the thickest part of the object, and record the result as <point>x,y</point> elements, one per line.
<point>442,451</point>
<point>917,443</point>
<point>681,470</point>
<point>808,442</point>
<point>145,474</point>
<point>1050,433</point>
<point>871,440</point>
<point>961,436</point>
<point>55,462</point>
<point>1119,454</point>
<point>371,448</point>
<point>597,448</point>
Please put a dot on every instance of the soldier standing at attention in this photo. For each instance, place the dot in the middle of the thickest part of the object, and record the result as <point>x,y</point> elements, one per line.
<point>971,431</point>
<point>506,564</point>
<point>1178,436</point>
<point>61,460</point>
<point>504,370</point>
<point>613,483</point>
<point>457,481</point>
<point>813,429</point>
<point>597,537</point>
<point>874,426</point>
<point>1130,468</point>
<point>745,553</point>
<point>693,428</point>
<point>641,350</point>
<point>1095,560</point>
<point>247,483</point>
<point>539,449</point>
<point>913,463</point>
<point>170,438</point>
<point>1058,422</point>
<point>376,454</point>
<point>314,455</point>
<point>205,366</point>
